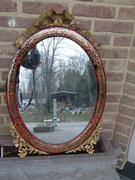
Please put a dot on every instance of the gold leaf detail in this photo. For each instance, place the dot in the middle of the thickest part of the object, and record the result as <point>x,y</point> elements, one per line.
<point>24,148</point>
<point>50,19</point>
<point>88,145</point>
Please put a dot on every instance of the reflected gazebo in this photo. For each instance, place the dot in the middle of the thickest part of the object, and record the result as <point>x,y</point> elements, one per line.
<point>64,99</point>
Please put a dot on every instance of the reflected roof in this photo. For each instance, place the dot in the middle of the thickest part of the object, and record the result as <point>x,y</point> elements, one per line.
<point>63,94</point>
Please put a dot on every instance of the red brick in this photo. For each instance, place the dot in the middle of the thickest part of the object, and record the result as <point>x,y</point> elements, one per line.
<point>111,107</point>
<point>4,75</point>
<point>126,111</point>
<point>113,98</point>
<point>116,65</point>
<point>131,67</point>
<point>129,89</point>
<point>111,117</point>
<point>4,109</point>
<point>4,130</point>
<point>3,21</point>
<point>134,42</point>
<point>20,22</point>
<point>122,129</point>
<point>114,76</point>
<point>126,13</point>
<point>93,11</point>
<point>123,2</point>
<point>132,54</point>
<point>113,87</point>
<point>103,39</point>
<point>85,0</point>
<point>122,41</point>
<point>5,62</point>
<point>128,101</point>
<point>130,78</point>
<point>85,24</point>
<point>8,6</point>
<point>8,36</point>
<point>7,50</point>
<point>108,126</point>
<point>0,99</point>
<point>116,27</point>
<point>39,7</point>
<point>124,120</point>
<point>7,119</point>
<point>1,120</point>
<point>24,22</point>
<point>113,53</point>
<point>121,139</point>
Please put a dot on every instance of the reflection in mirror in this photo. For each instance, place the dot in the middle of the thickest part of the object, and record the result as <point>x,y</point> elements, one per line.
<point>56,90</point>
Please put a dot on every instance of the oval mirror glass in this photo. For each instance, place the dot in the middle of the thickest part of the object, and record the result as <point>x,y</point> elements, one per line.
<point>56,90</point>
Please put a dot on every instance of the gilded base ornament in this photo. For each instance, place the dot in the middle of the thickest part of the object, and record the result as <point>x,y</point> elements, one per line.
<point>88,145</point>
<point>25,149</point>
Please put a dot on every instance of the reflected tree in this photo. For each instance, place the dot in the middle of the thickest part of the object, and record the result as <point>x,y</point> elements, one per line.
<point>79,77</point>
<point>45,74</point>
<point>62,66</point>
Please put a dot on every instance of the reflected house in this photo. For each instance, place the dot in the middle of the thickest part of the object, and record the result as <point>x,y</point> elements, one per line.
<point>66,100</point>
<point>31,105</point>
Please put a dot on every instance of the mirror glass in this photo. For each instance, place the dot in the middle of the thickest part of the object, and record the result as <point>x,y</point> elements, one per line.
<point>56,90</point>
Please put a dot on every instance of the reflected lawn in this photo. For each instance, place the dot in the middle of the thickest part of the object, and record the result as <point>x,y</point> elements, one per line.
<point>29,117</point>
<point>68,117</point>
<point>77,117</point>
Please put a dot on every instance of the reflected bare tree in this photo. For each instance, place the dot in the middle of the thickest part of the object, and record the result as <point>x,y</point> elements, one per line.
<point>46,72</point>
<point>64,66</point>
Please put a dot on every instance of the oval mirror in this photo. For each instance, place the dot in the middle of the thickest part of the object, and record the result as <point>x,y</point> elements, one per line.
<point>56,93</point>
<point>57,96</point>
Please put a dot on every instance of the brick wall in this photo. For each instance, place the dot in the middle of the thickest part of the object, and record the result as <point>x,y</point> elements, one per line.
<point>112,22</point>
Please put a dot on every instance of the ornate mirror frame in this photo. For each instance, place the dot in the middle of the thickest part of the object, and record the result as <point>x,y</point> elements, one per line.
<point>54,24</point>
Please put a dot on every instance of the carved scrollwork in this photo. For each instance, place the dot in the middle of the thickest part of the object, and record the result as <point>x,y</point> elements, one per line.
<point>51,19</point>
<point>88,145</point>
<point>24,148</point>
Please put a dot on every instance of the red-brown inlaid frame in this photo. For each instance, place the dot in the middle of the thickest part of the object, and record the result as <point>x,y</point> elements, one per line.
<point>17,120</point>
